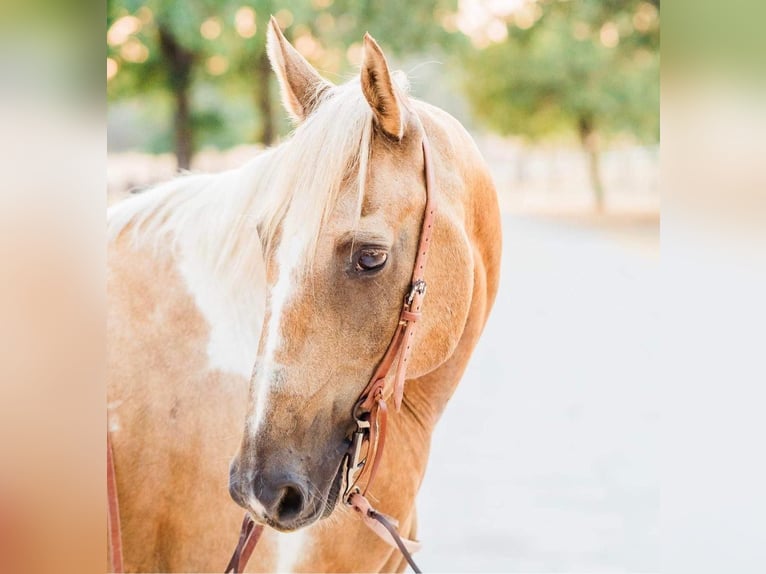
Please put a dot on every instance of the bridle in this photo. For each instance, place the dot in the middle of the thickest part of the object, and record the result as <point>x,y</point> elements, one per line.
<point>370,412</point>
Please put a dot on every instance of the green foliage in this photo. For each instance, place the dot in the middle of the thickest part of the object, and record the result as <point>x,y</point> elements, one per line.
<point>224,46</point>
<point>402,26</point>
<point>579,64</point>
<point>539,78</point>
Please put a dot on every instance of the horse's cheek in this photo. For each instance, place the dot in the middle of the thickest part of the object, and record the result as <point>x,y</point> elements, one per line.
<point>448,300</point>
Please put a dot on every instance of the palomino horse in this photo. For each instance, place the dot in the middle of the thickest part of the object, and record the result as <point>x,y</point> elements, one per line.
<point>296,263</point>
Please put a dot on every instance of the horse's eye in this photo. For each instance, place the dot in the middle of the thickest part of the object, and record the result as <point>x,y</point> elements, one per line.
<point>369,259</point>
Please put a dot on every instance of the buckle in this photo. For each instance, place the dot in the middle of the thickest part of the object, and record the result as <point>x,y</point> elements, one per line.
<point>418,286</point>
<point>354,463</point>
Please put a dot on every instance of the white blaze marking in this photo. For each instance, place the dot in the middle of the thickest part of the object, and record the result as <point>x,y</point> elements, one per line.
<point>288,258</point>
<point>256,506</point>
<point>235,316</point>
<point>290,547</point>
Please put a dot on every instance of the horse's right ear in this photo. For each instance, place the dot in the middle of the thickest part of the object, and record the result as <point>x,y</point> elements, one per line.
<point>301,85</point>
<point>380,91</point>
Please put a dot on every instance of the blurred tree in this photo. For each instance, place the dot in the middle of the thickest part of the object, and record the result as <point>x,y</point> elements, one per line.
<point>590,66</point>
<point>401,26</point>
<point>160,46</point>
<point>250,68</point>
<point>155,46</point>
<point>203,53</point>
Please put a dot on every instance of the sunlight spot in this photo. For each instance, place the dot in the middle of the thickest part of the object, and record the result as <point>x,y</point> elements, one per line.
<point>244,22</point>
<point>645,17</point>
<point>354,54</point>
<point>112,67</point>
<point>609,35</point>
<point>526,16</point>
<point>134,51</point>
<point>145,14</point>
<point>497,31</point>
<point>309,46</point>
<point>217,65</point>
<point>210,28</point>
<point>486,21</point>
<point>121,30</point>
<point>284,18</point>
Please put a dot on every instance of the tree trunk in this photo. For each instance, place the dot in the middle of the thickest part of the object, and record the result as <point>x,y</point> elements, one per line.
<point>267,130</point>
<point>179,61</point>
<point>182,130</point>
<point>589,141</point>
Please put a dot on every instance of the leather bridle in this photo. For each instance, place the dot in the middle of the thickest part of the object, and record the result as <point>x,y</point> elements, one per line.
<point>112,511</point>
<point>370,413</point>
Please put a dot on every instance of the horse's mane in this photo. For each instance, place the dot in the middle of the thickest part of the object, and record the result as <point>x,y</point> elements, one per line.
<point>228,214</point>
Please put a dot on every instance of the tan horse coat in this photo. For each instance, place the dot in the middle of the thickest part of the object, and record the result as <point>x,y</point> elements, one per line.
<point>175,421</point>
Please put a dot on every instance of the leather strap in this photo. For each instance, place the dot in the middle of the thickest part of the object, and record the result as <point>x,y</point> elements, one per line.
<point>374,519</point>
<point>371,407</point>
<point>113,512</point>
<point>399,349</point>
<point>391,528</point>
<point>248,538</point>
<point>401,343</point>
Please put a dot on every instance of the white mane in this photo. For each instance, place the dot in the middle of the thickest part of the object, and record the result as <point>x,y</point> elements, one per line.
<point>233,212</point>
<point>220,227</point>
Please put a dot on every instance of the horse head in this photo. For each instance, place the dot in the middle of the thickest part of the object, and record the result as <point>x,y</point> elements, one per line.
<point>339,258</point>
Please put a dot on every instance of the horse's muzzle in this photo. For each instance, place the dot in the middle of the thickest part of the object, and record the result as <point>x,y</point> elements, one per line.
<point>283,500</point>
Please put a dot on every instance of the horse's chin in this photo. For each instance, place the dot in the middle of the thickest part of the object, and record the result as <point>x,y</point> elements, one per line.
<point>332,496</point>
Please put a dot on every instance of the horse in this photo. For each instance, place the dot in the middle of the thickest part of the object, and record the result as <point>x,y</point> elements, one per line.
<point>248,310</point>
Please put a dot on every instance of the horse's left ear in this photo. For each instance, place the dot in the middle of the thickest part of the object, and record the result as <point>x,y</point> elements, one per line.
<point>380,91</point>
<point>301,85</point>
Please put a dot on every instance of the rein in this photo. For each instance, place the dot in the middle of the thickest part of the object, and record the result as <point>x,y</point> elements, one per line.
<point>370,414</point>
<point>113,511</point>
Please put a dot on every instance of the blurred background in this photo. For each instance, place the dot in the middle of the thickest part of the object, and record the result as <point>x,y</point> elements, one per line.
<point>563,96</point>
<point>546,459</point>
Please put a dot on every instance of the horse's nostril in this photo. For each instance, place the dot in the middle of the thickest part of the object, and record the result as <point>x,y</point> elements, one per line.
<point>291,503</point>
<point>282,498</point>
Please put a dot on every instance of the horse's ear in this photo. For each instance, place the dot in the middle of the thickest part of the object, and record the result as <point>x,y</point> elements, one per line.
<point>300,84</point>
<point>380,90</point>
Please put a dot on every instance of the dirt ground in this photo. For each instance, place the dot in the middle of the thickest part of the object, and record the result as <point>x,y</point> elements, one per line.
<point>546,458</point>
<point>637,230</point>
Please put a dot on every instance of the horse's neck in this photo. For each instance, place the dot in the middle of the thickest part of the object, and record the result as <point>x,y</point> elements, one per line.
<point>204,224</point>
<point>426,397</point>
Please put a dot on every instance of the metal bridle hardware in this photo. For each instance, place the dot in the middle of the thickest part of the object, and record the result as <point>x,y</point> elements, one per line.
<point>418,287</point>
<point>353,461</point>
